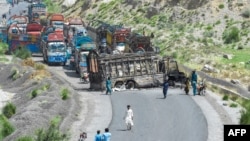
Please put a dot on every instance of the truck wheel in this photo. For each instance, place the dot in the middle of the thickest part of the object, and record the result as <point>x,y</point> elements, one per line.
<point>130,85</point>
<point>118,84</point>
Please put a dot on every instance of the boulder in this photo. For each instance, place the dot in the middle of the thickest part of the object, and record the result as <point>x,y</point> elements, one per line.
<point>235,81</point>
<point>228,56</point>
<point>209,69</point>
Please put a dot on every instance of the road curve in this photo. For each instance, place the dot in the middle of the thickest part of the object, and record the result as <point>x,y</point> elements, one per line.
<point>176,118</point>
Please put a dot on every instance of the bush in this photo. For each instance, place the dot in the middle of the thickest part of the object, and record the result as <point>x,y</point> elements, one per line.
<point>234,98</point>
<point>246,13</point>
<point>9,109</point>
<point>51,134</point>
<point>231,35</point>
<point>5,127</point>
<point>15,73</point>
<point>45,87</point>
<point>34,93</point>
<point>233,105</point>
<point>22,53</point>
<point>39,66</point>
<point>225,97</point>
<point>65,94</point>
<point>221,6</point>
<point>25,138</point>
<point>3,48</point>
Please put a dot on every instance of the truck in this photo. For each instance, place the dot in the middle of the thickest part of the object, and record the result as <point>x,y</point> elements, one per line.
<point>137,43</point>
<point>19,21</point>
<point>3,34</point>
<point>84,44</point>
<point>131,70</point>
<point>35,11</point>
<point>116,36</point>
<point>54,49</point>
<point>56,20</point>
<point>34,30</point>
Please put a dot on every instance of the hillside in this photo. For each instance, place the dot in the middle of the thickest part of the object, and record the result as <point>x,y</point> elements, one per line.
<point>208,35</point>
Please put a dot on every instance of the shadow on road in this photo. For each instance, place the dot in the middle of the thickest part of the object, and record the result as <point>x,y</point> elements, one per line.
<point>72,74</point>
<point>121,130</point>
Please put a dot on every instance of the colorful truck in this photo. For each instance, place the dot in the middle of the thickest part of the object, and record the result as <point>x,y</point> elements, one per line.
<point>116,36</point>
<point>83,45</point>
<point>54,49</point>
<point>56,20</point>
<point>35,11</point>
<point>74,26</point>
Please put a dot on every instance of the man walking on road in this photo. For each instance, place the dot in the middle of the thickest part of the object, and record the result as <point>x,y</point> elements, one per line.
<point>108,86</point>
<point>194,81</point>
<point>98,136</point>
<point>106,135</point>
<point>165,88</point>
<point>129,115</point>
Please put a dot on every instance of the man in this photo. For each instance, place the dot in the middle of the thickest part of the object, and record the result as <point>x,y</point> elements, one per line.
<point>194,81</point>
<point>165,88</point>
<point>108,86</point>
<point>129,115</point>
<point>106,135</point>
<point>98,136</point>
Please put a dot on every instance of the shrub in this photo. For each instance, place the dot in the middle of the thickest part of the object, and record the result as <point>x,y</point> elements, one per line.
<point>221,6</point>
<point>25,138</point>
<point>225,97</point>
<point>233,105</point>
<point>234,98</point>
<point>9,109</point>
<point>39,66</point>
<point>34,93</point>
<point>246,13</point>
<point>231,35</point>
<point>51,134</point>
<point>45,87</point>
<point>22,53</point>
<point>5,127</point>
<point>15,73</point>
<point>3,48</point>
<point>65,94</point>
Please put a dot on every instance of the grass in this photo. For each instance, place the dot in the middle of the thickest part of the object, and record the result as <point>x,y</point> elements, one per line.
<point>25,138</point>
<point>65,93</point>
<point>225,97</point>
<point>5,127</point>
<point>15,74</point>
<point>9,110</point>
<point>233,105</point>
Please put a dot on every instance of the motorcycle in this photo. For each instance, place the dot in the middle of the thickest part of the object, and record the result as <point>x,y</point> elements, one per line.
<point>201,88</point>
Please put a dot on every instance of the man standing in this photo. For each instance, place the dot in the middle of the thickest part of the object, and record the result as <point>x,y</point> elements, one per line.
<point>108,86</point>
<point>106,135</point>
<point>129,115</point>
<point>165,88</point>
<point>98,136</point>
<point>194,82</point>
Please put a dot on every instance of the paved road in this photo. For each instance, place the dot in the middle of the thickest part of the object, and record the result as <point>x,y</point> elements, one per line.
<point>176,118</point>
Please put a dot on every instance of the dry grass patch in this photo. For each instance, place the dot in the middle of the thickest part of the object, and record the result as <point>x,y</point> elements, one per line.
<point>40,74</point>
<point>28,62</point>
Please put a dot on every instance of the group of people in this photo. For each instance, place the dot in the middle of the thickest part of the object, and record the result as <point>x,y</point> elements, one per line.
<point>103,137</point>
<point>194,84</point>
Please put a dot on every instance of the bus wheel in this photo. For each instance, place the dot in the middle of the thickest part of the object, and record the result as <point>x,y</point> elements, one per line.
<point>130,85</point>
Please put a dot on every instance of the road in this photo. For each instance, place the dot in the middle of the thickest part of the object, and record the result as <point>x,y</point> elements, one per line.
<point>176,118</point>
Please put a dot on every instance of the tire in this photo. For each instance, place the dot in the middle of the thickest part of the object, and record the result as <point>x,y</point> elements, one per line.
<point>130,85</point>
<point>118,84</point>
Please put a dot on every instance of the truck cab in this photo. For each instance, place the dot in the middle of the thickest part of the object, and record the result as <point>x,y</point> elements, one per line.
<point>55,49</point>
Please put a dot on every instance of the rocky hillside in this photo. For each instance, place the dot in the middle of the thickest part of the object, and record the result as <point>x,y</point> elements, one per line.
<point>208,35</point>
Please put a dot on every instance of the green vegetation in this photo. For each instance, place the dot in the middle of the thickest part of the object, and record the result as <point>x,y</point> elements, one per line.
<point>25,138</point>
<point>221,6</point>
<point>34,93</point>
<point>52,6</point>
<point>233,105</point>
<point>45,87</point>
<point>245,114</point>
<point>9,109</point>
<point>15,73</point>
<point>22,53</point>
<point>231,35</point>
<point>39,66</point>
<point>3,48</point>
<point>65,93</point>
<point>5,127</point>
<point>52,133</point>
<point>225,97</point>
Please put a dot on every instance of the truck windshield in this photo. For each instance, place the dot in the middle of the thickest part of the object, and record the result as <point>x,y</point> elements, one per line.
<point>56,47</point>
<point>57,24</point>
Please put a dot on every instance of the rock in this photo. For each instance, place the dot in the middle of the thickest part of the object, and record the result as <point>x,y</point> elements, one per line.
<point>235,81</point>
<point>209,69</point>
<point>224,104</point>
<point>228,56</point>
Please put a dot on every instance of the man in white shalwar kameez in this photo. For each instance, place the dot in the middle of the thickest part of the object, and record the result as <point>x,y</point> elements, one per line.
<point>129,117</point>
